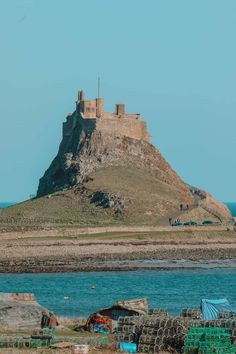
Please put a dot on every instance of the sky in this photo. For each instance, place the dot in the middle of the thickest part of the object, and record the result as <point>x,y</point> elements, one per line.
<point>172,61</point>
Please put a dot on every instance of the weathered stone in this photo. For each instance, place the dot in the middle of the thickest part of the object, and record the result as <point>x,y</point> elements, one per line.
<point>19,310</point>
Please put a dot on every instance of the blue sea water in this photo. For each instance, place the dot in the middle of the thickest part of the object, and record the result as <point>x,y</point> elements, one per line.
<point>232,208</point>
<point>172,290</point>
<point>6,204</point>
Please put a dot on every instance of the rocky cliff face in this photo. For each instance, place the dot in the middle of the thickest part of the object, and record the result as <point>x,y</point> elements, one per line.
<point>82,154</point>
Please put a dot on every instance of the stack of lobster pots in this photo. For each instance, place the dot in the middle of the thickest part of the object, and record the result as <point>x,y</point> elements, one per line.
<point>157,331</point>
<point>129,328</point>
<point>228,323</point>
<point>162,334</point>
<point>226,320</point>
<point>152,333</point>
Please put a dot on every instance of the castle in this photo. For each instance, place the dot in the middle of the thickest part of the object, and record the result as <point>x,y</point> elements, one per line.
<point>91,116</point>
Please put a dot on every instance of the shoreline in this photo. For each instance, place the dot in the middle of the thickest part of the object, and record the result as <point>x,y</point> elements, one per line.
<point>112,251</point>
<point>66,266</point>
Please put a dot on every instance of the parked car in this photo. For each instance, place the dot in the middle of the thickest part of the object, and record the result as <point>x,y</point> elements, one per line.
<point>177,224</point>
<point>190,223</point>
<point>207,222</point>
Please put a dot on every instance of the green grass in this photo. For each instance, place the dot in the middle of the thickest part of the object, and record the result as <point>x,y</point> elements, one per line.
<point>147,200</point>
<point>157,236</point>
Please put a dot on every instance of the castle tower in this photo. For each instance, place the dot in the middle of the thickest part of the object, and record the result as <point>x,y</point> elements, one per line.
<point>99,107</point>
<point>120,109</point>
<point>81,95</point>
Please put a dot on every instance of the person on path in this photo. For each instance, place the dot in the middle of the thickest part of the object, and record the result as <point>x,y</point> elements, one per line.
<point>44,320</point>
<point>53,323</point>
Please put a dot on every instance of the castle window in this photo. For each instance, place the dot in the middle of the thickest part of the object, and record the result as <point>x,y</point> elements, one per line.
<point>87,109</point>
<point>92,109</point>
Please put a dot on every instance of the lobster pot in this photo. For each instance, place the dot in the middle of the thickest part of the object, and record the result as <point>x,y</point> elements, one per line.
<point>124,337</point>
<point>162,334</point>
<point>226,314</point>
<point>157,312</point>
<point>129,328</point>
<point>191,312</point>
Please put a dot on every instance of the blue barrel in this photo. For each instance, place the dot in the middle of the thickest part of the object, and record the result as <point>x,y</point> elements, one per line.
<point>128,347</point>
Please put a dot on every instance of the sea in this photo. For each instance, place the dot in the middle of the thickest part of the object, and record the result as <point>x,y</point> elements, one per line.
<point>6,204</point>
<point>232,208</point>
<point>88,292</point>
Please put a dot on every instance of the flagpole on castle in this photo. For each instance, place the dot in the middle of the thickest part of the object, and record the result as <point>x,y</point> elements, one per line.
<point>98,86</point>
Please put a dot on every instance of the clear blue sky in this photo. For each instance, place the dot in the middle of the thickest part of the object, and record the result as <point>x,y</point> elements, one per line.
<point>173,61</point>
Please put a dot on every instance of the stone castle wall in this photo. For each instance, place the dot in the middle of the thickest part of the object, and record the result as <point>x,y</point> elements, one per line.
<point>134,129</point>
<point>130,127</point>
<point>87,125</point>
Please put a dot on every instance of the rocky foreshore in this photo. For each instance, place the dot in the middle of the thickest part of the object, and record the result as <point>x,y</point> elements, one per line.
<point>108,251</point>
<point>74,265</point>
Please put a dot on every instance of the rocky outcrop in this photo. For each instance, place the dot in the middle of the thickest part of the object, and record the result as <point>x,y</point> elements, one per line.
<point>215,208</point>
<point>19,310</point>
<point>109,200</point>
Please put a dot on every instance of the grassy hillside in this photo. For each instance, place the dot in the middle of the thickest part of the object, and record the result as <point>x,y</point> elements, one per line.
<point>138,198</point>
